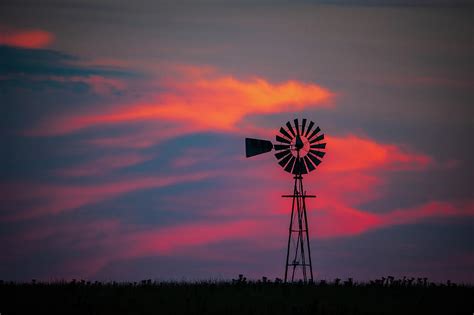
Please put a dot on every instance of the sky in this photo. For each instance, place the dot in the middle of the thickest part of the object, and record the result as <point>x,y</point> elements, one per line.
<point>123,126</point>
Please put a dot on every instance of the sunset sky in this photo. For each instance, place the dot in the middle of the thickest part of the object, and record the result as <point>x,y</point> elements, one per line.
<point>123,126</point>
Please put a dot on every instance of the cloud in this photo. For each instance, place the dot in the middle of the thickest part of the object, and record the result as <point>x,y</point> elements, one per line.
<point>45,64</point>
<point>105,241</point>
<point>113,241</point>
<point>32,38</point>
<point>32,200</point>
<point>352,153</point>
<point>212,102</point>
<point>335,214</point>
<point>182,108</point>
<point>430,209</point>
<point>341,220</point>
<point>103,165</point>
<point>98,83</point>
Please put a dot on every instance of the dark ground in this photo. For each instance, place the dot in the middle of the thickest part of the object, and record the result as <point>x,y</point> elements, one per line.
<point>387,296</point>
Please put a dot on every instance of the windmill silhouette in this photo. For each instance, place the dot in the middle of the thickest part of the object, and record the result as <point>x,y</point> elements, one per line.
<point>299,152</point>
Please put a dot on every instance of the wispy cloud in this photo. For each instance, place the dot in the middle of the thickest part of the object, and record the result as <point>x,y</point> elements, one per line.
<point>59,198</point>
<point>103,165</point>
<point>202,102</point>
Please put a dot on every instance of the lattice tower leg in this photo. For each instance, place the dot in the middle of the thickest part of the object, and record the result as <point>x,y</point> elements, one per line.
<point>298,254</point>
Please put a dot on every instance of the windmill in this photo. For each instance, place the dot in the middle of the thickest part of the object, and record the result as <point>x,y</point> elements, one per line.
<point>299,151</point>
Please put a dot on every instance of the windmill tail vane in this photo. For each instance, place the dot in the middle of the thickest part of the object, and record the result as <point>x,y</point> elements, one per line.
<point>299,150</point>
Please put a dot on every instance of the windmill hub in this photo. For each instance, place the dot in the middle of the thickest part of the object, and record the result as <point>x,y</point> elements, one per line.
<point>299,143</point>
<point>299,151</point>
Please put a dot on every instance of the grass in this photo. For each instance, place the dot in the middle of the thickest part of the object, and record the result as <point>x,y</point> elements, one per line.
<point>384,296</point>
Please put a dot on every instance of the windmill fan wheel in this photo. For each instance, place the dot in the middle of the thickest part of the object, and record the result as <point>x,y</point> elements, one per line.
<point>299,148</point>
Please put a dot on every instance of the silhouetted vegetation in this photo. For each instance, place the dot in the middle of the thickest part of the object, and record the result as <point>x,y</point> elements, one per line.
<point>239,296</point>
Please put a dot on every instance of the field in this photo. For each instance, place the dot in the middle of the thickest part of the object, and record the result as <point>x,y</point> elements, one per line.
<point>385,296</point>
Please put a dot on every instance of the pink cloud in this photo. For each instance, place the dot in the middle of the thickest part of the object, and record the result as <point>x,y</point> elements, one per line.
<point>122,241</point>
<point>432,209</point>
<point>113,241</point>
<point>341,220</point>
<point>53,199</point>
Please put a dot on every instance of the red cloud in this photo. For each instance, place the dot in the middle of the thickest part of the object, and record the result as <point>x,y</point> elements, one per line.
<point>27,38</point>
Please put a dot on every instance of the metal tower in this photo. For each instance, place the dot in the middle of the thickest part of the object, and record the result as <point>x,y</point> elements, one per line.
<point>298,253</point>
<point>299,152</point>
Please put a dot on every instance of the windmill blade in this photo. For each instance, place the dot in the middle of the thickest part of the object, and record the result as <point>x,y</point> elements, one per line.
<point>314,159</point>
<point>282,154</point>
<point>279,147</point>
<point>297,126</point>
<point>296,167</point>
<point>314,133</point>
<point>302,127</point>
<point>281,139</point>
<point>311,124</point>
<point>318,153</point>
<point>300,167</point>
<point>304,170</point>
<point>285,133</point>
<point>309,164</point>
<point>318,146</point>
<point>285,160</point>
<point>290,129</point>
<point>289,166</point>
<point>318,138</point>
<point>256,146</point>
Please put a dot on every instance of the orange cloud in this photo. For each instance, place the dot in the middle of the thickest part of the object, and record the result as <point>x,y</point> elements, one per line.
<point>202,103</point>
<point>33,38</point>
